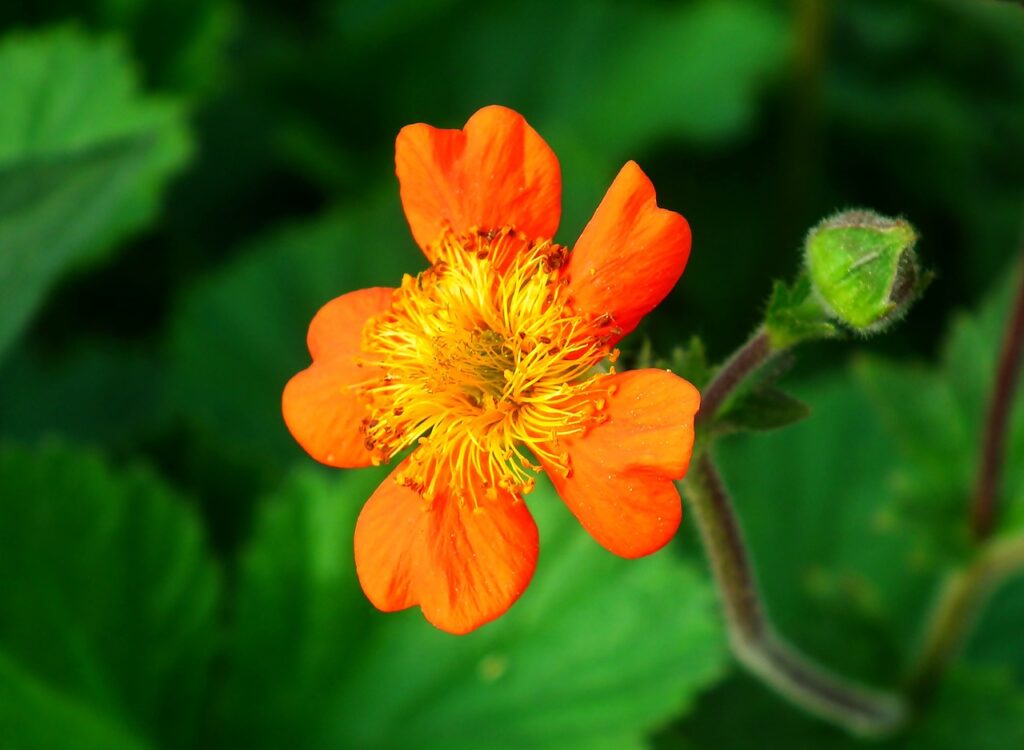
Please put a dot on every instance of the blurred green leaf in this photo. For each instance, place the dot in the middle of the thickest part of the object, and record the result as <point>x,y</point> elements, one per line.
<point>617,80</point>
<point>995,639</point>
<point>108,594</point>
<point>241,333</point>
<point>741,708</point>
<point>976,708</point>
<point>677,64</point>
<point>597,652</point>
<point>936,415</point>
<point>50,212</point>
<point>82,160</point>
<point>64,93</point>
<point>35,717</point>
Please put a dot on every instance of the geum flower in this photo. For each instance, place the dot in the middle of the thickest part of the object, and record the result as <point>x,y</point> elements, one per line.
<point>486,366</point>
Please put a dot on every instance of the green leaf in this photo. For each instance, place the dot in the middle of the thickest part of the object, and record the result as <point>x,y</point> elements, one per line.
<point>575,663</point>
<point>975,708</point>
<point>50,211</point>
<point>63,92</point>
<point>35,717</point>
<point>241,333</point>
<point>83,157</point>
<point>641,70</point>
<point>742,708</point>
<point>995,639</point>
<point>108,592</point>
<point>763,408</point>
<point>794,314</point>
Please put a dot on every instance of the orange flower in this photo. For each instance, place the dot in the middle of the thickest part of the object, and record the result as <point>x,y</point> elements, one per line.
<point>486,366</point>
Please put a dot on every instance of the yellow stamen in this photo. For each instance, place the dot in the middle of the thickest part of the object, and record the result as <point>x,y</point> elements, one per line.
<point>481,360</point>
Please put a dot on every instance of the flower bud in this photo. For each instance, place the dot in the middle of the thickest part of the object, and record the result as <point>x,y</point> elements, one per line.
<point>863,268</point>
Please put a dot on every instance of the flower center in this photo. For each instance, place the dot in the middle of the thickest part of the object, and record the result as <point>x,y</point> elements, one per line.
<point>480,359</point>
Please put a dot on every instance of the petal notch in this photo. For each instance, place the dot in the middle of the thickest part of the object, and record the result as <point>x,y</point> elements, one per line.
<point>495,172</point>
<point>463,565</point>
<point>631,253</point>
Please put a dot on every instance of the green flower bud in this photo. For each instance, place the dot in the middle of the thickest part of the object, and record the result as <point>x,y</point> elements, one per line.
<point>863,268</point>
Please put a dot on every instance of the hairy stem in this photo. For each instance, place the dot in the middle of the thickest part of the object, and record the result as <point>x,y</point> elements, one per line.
<point>984,506</point>
<point>858,709</point>
<point>741,364</point>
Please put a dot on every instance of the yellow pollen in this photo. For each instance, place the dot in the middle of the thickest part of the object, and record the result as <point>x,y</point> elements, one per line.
<point>481,361</point>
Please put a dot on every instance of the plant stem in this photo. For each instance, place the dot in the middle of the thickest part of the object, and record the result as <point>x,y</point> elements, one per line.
<point>960,601</point>
<point>983,510</point>
<point>858,709</point>
<point>742,363</point>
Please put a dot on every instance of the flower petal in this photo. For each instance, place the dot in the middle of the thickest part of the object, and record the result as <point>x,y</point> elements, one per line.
<point>621,483</point>
<point>464,566</point>
<point>320,406</point>
<point>337,328</point>
<point>323,413</point>
<point>496,171</point>
<point>631,253</point>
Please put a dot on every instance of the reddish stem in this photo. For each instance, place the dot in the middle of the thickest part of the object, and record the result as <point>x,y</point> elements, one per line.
<point>984,507</point>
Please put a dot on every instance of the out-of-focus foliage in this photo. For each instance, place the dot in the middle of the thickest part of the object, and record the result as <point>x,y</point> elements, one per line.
<point>979,707</point>
<point>183,183</point>
<point>109,598</point>
<point>36,717</point>
<point>82,158</point>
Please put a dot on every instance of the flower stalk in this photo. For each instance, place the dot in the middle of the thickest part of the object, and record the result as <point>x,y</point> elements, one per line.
<point>984,506</point>
<point>742,364</point>
<point>753,637</point>
<point>755,643</point>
